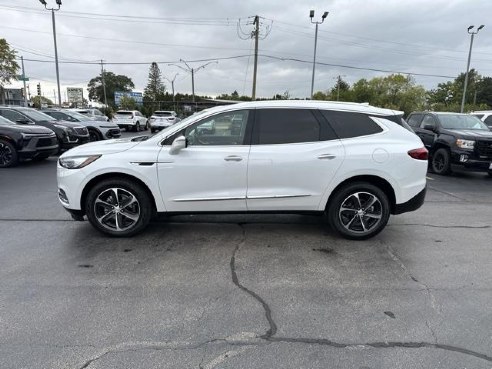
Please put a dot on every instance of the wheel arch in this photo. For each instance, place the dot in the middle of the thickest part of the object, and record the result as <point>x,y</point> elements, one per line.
<point>94,181</point>
<point>380,182</point>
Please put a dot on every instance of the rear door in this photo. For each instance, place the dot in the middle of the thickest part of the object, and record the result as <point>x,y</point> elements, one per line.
<point>294,156</point>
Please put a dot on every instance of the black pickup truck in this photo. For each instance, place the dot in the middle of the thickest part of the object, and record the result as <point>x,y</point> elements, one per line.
<point>454,141</point>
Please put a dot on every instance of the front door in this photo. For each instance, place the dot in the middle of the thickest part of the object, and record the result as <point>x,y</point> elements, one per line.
<point>210,173</point>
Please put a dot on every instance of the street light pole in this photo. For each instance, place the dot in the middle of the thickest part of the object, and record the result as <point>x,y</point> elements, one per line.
<point>171,81</point>
<point>192,71</point>
<point>323,17</point>
<point>472,33</point>
<point>58,2</point>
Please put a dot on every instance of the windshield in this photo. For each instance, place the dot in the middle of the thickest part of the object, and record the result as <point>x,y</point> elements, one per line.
<point>79,116</point>
<point>461,121</point>
<point>5,121</point>
<point>36,115</point>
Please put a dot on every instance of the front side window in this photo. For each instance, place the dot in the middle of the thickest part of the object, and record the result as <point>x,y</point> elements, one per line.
<point>428,119</point>
<point>12,115</point>
<point>37,115</point>
<point>351,124</point>
<point>227,128</point>
<point>284,126</point>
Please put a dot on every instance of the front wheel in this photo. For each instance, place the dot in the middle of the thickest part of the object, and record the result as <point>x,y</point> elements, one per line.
<point>119,207</point>
<point>8,154</point>
<point>94,135</point>
<point>441,162</point>
<point>137,127</point>
<point>359,211</point>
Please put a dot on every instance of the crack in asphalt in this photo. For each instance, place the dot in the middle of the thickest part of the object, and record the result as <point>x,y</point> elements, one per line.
<point>268,312</point>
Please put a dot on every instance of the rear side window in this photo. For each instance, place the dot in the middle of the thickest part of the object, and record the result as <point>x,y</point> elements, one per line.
<point>479,116</point>
<point>283,126</point>
<point>348,124</point>
<point>414,120</point>
<point>488,120</point>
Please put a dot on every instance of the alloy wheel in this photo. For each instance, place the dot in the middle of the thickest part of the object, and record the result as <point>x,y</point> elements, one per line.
<point>117,209</point>
<point>360,212</point>
<point>439,163</point>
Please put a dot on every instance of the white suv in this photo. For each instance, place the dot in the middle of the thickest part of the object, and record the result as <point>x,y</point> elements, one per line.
<point>485,116</point>
<point>162,119</point>
<point>130,119</point>
<point>354,162</point>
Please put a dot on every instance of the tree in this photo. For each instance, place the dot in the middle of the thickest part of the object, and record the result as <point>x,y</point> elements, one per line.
<point>155,90</point>
<point>128,103</point>
<point>113,83</point>
<point>341,91</point>
<point>37,101</point>
<point>8,66</point>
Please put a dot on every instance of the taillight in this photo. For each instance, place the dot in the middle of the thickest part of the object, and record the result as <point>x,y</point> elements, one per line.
<point>419,154</point>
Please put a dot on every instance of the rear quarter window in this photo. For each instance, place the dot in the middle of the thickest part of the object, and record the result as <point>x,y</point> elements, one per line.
<point>350,124</point>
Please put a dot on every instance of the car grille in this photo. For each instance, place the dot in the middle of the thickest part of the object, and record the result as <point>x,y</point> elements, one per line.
<point>81,131</point>
<point>484,148</point>
<point>42,142</point>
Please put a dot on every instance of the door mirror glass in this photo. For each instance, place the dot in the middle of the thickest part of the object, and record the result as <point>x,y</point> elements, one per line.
<point>23,121</point>
<point>178,144</point>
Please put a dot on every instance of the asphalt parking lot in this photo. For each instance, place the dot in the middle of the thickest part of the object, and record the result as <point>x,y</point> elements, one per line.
<point>245,291</point>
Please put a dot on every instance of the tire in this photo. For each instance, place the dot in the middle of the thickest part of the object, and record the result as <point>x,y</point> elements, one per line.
<point>113,217</point>
<point>152,130</point>
<point>146,127</point>
<point>441,161</point>
<point>137,126</point>
<point>490,173</point>
<point>351,213</point>
<point>8,155</point>
<point>94,135</point>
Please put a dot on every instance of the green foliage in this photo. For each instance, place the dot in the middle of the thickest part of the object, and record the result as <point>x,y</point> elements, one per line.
<point>128,103</point>
<point>8,66</point>
<point>234,96</point>
<point>113,83</point>
<point>37,101</point>
<point>155,90</point>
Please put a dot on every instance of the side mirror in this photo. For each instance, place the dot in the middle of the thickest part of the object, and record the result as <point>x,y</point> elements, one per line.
<point>178,144</point>
<point>429,127</point>
<point>23,121</point>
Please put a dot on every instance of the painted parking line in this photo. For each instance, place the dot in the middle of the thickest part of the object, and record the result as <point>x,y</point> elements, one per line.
<point>432,179</point>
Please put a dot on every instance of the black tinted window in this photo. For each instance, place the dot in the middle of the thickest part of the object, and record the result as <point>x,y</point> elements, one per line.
<point>348,124</point>
<point>488,120</point>
<point>12,115</point>
<point>281,126</point>
<point>414,120</point>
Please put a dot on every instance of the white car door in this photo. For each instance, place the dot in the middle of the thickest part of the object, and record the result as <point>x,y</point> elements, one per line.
<point>294,156</point>
<point>210,173</point>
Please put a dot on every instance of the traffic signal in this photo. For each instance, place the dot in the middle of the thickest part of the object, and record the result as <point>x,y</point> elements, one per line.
<point>39,89</point>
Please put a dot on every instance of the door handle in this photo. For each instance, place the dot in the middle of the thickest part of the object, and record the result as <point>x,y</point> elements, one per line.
<point>233,158</point>
<point>327,156</point>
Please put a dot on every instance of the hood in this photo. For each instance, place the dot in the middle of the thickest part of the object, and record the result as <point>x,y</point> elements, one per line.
<point>471,134</point>
<point>66,124</point>
<point>23,128</point>
<point>104,147</point>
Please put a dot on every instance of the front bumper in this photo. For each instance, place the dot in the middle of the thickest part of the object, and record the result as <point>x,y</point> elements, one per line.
<point>37,146</point>
<point>411,205</point>
<point>70,142</point>
<point>467,161</point>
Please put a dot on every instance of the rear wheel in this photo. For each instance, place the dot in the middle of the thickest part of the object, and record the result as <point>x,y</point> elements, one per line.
<point>8,155</point>
<point>119,207</point>
<point>441,162</point>
<point>137,126</point>
<point>359,210</point>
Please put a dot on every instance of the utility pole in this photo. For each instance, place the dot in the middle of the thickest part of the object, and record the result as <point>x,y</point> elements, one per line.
<point>258,24</point>
<point>103,83</point>
<point>256,33</point>
<point>323,17</point>
<point>24,81</point>
<point>191,70</point>
<point>468,64</point>
<point>58,2</point>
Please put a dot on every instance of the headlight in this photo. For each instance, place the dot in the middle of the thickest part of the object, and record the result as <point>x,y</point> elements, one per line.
<point>465,144</point>
<point>77,162</point>
<point>66,129</point>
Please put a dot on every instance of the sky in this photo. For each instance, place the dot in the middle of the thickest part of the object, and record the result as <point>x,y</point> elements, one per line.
<point>427,39</point>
